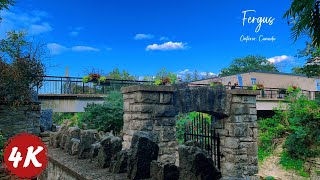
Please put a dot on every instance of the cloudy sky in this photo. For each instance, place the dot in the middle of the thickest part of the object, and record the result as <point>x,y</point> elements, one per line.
<point>143,36</point>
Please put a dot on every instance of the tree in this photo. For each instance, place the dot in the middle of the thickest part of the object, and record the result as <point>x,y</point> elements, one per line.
<point>21,68</point>
<point>188,77</point>
<point>195,75</point>
<point>248,64</point>
<point>116,74</point>
<point>297,70</point>
<point>4,4</point>
<point>311,53</point>
<point>305,17</point>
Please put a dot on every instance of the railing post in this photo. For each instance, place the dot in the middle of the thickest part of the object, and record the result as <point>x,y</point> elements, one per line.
<point>61,85</point>
<point>271,93</point>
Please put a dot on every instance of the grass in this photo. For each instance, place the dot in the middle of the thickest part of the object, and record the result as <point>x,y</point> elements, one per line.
<point>290,163</point>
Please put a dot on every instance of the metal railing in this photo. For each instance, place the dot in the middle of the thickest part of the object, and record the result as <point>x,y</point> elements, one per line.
<point>75,85</point>
<point>202,132</point>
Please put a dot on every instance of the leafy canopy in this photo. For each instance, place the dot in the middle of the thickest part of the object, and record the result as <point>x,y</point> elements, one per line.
<point>248,64</point>
<point>305,17</point>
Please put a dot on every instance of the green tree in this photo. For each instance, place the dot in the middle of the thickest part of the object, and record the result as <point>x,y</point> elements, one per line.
<point>195,75</point>
<point>248,64</point>
<point>4,4</point>
<point>305,17</point>
<point>188,77</point>
<point>297,70</point>
<point>21,68</point>
<point>116,74</point>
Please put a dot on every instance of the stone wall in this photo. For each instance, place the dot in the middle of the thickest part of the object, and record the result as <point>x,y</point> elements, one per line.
<point>153,109</point>
<point>25,118</point>
<point>150,108</point>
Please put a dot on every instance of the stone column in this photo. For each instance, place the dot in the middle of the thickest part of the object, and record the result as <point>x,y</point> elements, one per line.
<point>150,108</point>
<point>239,132</point>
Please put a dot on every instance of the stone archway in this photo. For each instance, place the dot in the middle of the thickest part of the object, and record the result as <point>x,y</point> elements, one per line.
<point>153,109</point>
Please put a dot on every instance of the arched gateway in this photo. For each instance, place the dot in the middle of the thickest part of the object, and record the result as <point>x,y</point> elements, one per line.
<point>153,109</point>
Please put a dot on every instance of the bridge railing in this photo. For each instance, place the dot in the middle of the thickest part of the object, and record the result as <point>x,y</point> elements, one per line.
<point>74,85</point>
<point>269,93</point>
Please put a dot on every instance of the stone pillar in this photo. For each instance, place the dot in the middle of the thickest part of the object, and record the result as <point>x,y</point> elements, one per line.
<point>239,135</point>
<point>150,108</point>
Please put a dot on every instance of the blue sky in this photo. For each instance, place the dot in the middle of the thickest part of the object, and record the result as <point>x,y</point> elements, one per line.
<point>143,36</point>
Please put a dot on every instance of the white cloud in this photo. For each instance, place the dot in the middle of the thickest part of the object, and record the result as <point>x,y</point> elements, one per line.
<point>202,74</point>
<point>84,48</point>
<point>39,28</point>
<point>166,46</point>
<point>184,72</point>
<point>143,36</point>
<point>55,48</point>
<point>210,74</point>
<point>75,31</point>
<point>278,59</point>
<point>164,38</point>
<point>33,22</point>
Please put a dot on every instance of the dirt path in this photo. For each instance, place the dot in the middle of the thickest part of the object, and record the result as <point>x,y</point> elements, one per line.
<point>271,167</point>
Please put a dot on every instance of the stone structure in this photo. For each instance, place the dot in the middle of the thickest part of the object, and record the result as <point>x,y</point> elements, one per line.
<point>153,109</point>
<point>24,118</point>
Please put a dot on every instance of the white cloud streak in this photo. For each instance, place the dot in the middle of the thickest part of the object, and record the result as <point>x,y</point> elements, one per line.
<point>33,22</point>
<point>143,36</point>
<point>166,46</point>
<point>56,49</point>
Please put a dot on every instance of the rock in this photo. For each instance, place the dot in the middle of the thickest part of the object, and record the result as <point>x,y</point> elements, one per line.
<point>110,145</point>
<point>143,151</point>
<point>46,120</point>
<point>87,137</point>
<point>195,164</point>
<point>53,140</point>
<point>73,132</point>
<point>94,150</point>
<point>62,135</point>
<point>119,162</point>
<point>75,146</point>
<point>163,171</point>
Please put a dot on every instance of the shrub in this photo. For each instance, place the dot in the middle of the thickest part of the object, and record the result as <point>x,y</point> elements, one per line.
<point>292,163</point>
<point>107,116</point>
<point>2,142</point>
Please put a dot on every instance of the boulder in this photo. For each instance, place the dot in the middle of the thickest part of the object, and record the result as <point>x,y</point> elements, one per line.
<point>110,145</point>
<point>94,150</point>
<point>75,146</point>
<point>119,162</point>
<point>87,137</point>
<point>62,135</point>
<point>196,164</point>
<point>53,140</point>
<point>161,171</point>
<point>143,152</point>
<point>73,132</point>
<point>46,120</point>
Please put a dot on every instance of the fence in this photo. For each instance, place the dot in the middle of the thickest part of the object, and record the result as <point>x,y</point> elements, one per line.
<point>201,131</point>
<point>74,85</point>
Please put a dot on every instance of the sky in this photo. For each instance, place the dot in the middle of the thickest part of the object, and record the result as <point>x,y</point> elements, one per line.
<point>143,36</point>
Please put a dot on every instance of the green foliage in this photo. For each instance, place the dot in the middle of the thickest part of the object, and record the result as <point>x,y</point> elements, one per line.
<point>248,64</point>
<point>103,79</point>
<point>21,68</point>
<point>2,142</point>
<point>305,17</point>
<point>188,77</point>
<point>269,178</point>
<point>290,163</point>
<point>195,75</point>
<point>187,119</point>
<point>73,118</point>
<point>270,131</point>
<point>116,74</point>
<point>4,4</point>
<point>299,124</point>
<point>107,116</point>
<point>163,77</point>
<point>85,79</point>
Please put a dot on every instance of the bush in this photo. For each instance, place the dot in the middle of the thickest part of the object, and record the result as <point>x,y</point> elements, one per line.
<point>107,116</point>
<point>2,142</point>
<point>291,163</point>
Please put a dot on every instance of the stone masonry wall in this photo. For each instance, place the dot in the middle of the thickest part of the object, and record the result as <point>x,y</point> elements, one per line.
<point>153,108</point>
<point>239,133</point>
<point>25,118</point>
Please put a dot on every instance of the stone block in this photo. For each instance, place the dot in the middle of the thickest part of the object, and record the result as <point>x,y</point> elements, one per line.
<point>166,98</point>
<point>75,146</point>
<point>73,132</point>
<point>87,137</point>
<point>110,145</point>
<point>231,142</point>
<point>237,129</point>
<point>244,99</point>
<point>147,97</point>
<point>143,108</point>
<point>164,171</point>
<point>164,111</point>
<point>119,163</point>
<point>168,133</point>
<point>240,109</point>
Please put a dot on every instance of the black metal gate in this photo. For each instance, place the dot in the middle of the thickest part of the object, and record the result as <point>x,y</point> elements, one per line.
<point>201,131</point>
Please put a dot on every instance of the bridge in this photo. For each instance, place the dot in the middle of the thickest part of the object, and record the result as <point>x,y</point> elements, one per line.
<point>70,94</point>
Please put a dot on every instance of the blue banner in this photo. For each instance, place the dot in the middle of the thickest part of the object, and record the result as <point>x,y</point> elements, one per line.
<point>318,84</point>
